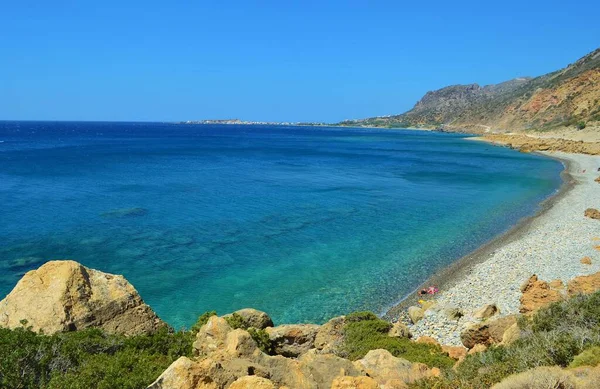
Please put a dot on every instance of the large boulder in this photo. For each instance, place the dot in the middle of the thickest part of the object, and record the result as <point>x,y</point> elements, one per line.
<point>293,340</point>
<point>584,284</point>
<point>66,296</point>
<point>536,294</point>
<point>253,318</point>
<point>486,333</point>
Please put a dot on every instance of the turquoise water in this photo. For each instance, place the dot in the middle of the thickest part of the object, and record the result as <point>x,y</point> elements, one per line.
<point>304,223</point>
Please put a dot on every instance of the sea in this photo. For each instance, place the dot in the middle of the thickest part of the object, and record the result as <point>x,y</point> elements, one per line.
<point>305,223</point>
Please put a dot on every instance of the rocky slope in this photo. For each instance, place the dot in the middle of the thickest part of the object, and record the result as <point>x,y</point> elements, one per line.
<point>567,98</point>
<point>245,350</point>
<point>66,296</point>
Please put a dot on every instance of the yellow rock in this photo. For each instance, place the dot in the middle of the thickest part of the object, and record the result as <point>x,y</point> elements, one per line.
<point>66,296</point>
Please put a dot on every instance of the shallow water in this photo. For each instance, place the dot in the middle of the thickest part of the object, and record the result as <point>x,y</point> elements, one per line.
<point>304,223</point>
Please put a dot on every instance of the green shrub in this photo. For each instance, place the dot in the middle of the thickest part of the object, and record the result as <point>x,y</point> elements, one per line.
<point>88,358</point>
<point>262,339</point>
<point>202,320</point>
<point>235,321</point>
<point>581,125</point>
<point>589,357</point>
<point>364,331</point>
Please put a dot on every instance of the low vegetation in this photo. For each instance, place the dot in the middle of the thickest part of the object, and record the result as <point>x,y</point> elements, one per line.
<point>87,359</point>
<point>564,334</point>
<point>364,331</point>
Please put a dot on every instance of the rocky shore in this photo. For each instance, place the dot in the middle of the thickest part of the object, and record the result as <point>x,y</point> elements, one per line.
<point>559,244</point>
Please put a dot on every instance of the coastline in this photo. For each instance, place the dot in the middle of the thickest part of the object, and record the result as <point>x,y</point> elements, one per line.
<point>466,283</point>
<point>450,275</point>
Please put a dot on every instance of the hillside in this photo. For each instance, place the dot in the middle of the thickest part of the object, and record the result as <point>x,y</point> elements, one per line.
<point>565,100</point>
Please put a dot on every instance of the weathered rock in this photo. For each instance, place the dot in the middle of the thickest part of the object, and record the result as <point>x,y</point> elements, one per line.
<point>324,368</point>
<point>486,311</point>
<point>389,371</point>
<point>253,318</point>
<point>592,213</point>
<point>415,314</point>
<point>330,336</point>
<point>511,334</point>
<point>252,382</point>
<point>428,340</point>
<point>486,333</point>
<point>211,336</point>
<point>453,313</point>
<point>537,294</point>
<point>457,353</point>
<point>597,180</point>
<point>584,284</point>
<point>239,343</point>
<point>586,260</point>
<point>66,296</point>
<point>400,330</point>
<point>475,333</point>
<point>293,340</point>
<point>345,382</point>
<point>478,348</point>
<point>182,374</point>
<point>556,285</point>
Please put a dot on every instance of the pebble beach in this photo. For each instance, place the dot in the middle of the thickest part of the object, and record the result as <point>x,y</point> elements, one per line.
<point>550,245</point>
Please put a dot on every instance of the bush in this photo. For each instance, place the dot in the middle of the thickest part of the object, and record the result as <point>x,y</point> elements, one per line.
<point>590,357</point>
<point>87,359</point>
<point>364,331</point>
<point>262,339</point>
<point>581,125</point>
<point>236,321</point>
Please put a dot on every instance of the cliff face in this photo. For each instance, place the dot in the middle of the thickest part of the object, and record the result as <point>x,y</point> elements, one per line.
<point>566,98</point>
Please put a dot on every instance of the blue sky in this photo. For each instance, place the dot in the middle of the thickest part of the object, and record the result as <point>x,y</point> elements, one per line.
<point>270,60</point>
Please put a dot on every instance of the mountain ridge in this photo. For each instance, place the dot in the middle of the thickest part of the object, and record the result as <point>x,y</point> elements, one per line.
<point>568,98</point>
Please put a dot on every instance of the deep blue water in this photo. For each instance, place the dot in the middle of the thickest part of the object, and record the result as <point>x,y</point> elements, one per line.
<point>304,223</point>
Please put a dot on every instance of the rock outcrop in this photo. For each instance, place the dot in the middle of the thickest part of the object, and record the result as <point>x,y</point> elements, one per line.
<point>486,333</point>
<point>536,294</point>
<point>330,336</point>
<point>293,340</point>
<point>66,296</point>
<point>584,284</point>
